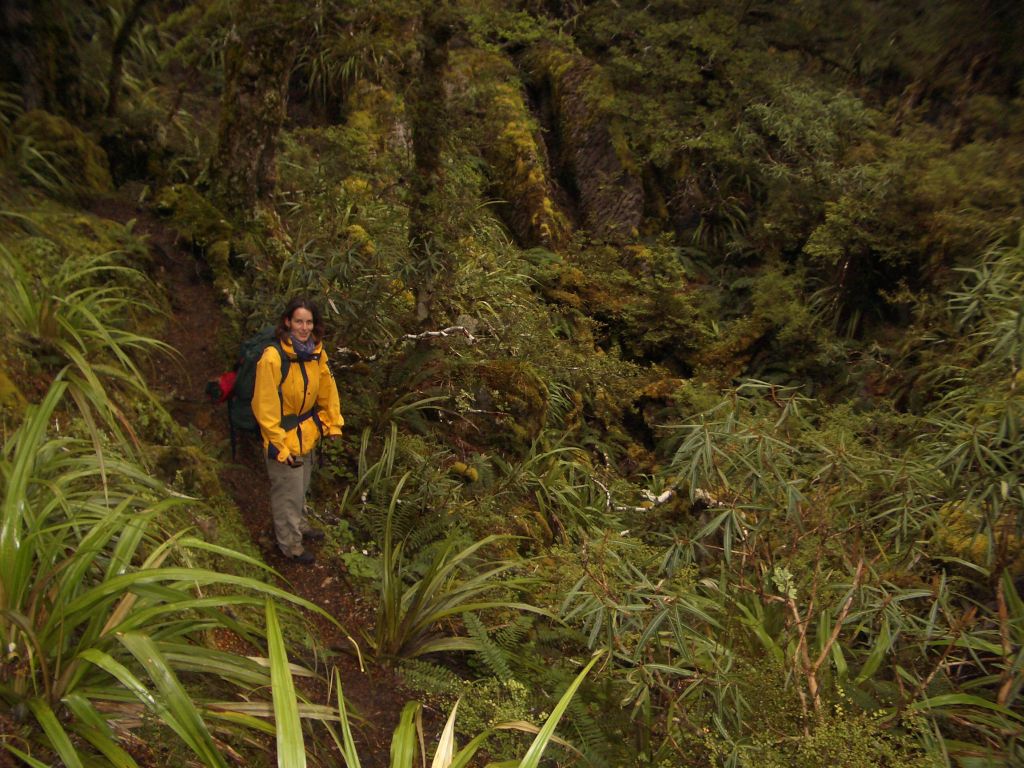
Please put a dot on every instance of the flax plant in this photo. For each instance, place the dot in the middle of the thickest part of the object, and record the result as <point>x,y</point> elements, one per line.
<point>75,317</point>
<point>412,614</point>
<point>102,620</point>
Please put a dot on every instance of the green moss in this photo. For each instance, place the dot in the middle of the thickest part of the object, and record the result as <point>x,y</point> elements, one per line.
<point>190,469</point>
<point>12,401</point>
<point>197,220</point>
<point>360,239</point>
<point>54,234</point>
<point>959,533</point>
<point>843,739</point>
<point>490,701</point>
<point>462,470</point>
<point>513,399</point>
<point>82,164</point>
<point>193,215</point>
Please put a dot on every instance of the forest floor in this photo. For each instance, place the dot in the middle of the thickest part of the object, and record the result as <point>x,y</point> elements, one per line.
<point>375,694</point>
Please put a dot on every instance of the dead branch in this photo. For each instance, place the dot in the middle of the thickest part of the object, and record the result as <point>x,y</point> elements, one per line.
<point>358,357</point>
<point>656,500</point>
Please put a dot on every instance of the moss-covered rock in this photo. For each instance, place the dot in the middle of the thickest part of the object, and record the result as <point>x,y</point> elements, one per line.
<point>80,162</point>
<point>960,533</point>
<point>642,300</point>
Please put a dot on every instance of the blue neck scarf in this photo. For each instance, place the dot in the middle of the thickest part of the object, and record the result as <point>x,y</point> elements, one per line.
<point>304,350</point>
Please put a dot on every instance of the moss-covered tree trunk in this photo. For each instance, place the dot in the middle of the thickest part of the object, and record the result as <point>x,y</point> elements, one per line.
<point>429,116</point>
<point>510,139</point>
<point>115,75</point>
<point>257,64</point>
<point>592,151</point>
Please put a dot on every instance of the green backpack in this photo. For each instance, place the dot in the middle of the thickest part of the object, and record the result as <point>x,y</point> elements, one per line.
<point>236,387</point>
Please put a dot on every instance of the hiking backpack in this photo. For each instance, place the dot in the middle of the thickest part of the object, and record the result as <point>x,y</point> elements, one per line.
<point>236,387</point>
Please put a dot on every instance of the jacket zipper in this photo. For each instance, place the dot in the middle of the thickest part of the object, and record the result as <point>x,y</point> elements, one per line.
<point>302,408</point>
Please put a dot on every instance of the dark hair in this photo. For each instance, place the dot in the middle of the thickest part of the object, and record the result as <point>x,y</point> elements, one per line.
<point>301,302</point>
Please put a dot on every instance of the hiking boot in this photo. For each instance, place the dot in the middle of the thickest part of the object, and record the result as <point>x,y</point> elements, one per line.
<point>313,534</point>
<point>303,558</point>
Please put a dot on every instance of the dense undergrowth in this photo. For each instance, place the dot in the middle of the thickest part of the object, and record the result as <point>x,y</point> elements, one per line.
<point>689,334</point>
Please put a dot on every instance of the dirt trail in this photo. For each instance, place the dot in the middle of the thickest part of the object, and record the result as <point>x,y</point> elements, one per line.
<point>376,694</point>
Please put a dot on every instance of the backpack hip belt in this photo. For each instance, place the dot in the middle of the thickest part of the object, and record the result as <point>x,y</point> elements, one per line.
<point>292,421</point>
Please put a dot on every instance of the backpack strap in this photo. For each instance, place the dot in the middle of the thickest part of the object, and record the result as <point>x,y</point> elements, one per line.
<point>311,413</point>
<point>285,363</point>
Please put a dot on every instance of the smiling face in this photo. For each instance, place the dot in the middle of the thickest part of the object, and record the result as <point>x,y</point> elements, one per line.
<point>300,324</point>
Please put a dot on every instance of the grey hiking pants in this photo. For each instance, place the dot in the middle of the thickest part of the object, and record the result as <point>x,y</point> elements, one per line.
<point>288,486</point>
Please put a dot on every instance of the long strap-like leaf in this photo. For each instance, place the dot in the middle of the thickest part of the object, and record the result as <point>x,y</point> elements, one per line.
<point>171,704</point>
<point>532,757</point>
<point>403,742</point>
<point>291,749</point>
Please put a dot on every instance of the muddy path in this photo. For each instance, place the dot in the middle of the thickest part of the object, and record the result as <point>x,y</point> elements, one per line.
<point>374,693</point>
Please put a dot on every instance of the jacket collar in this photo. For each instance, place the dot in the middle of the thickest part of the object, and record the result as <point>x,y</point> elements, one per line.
<point>286,345</point>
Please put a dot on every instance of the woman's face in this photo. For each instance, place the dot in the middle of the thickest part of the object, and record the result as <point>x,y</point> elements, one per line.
<point>300,324</point>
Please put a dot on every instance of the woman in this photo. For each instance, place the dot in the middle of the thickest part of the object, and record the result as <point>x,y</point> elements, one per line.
<point>293,414</point>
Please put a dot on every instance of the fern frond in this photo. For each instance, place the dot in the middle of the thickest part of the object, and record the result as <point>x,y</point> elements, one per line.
<point>430,678</point>
<point>591,737</point>
<point>493,656</point>
<point>511,635</point>
<point>429,526</point>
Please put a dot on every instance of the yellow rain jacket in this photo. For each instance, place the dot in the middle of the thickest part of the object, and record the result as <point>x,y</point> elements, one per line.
<point>307,407</point>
